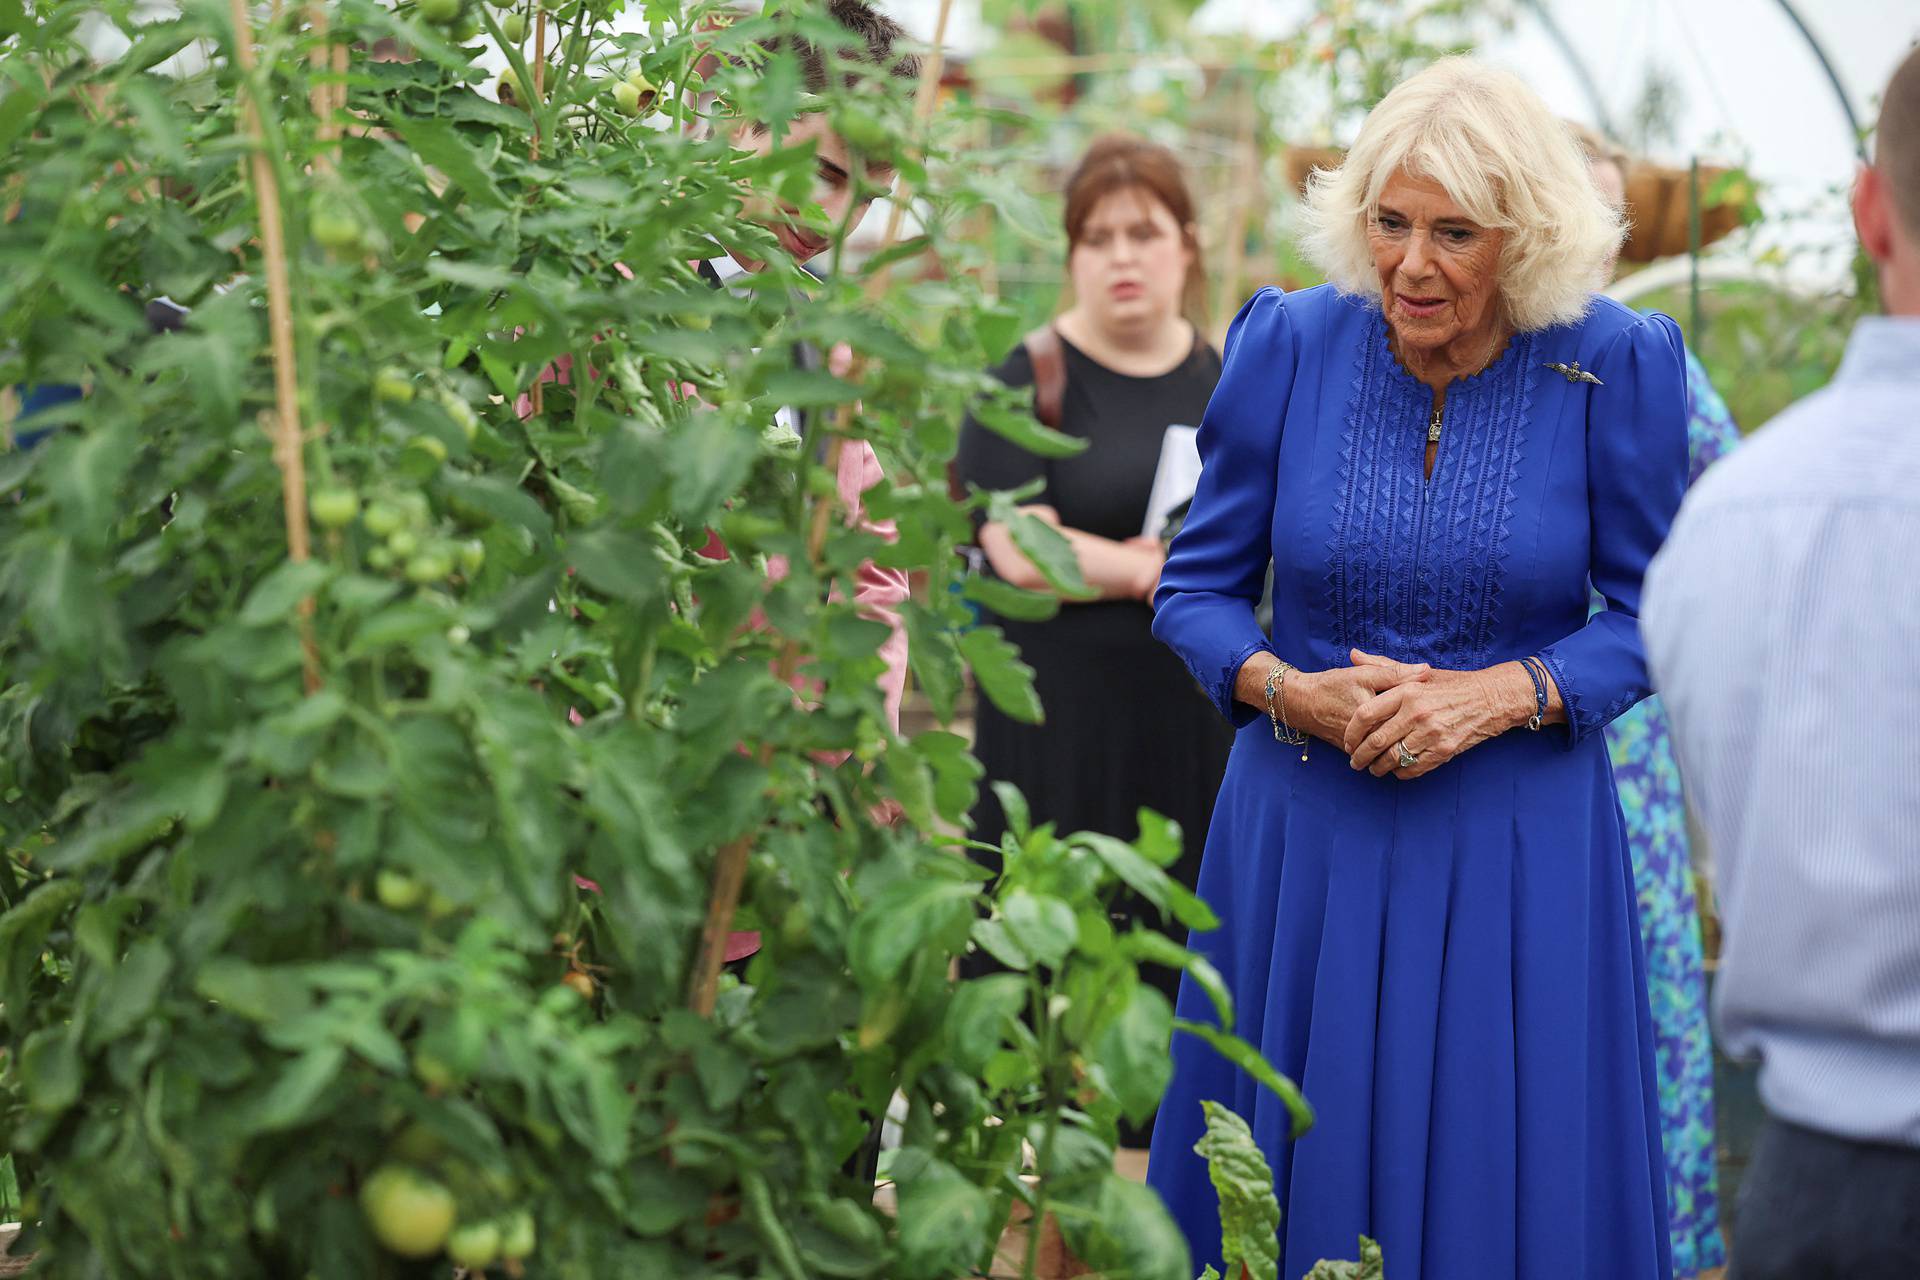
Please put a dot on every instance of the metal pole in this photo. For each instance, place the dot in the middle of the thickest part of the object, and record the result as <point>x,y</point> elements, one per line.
<point>1601,117</point>
<point>1696,322</point>
<point>1833,78</point>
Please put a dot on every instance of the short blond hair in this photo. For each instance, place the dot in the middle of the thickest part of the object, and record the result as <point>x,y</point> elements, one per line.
<point>1504,158</point>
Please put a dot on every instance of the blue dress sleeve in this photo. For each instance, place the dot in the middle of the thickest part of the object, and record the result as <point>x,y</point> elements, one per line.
<point>1636,472</point>
<point>1217,565</point>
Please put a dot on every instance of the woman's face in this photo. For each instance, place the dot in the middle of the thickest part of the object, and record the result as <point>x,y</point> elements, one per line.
<point>1439,269</point>
<point>1129,266</point>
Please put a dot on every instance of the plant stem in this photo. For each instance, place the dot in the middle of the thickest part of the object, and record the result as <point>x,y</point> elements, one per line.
<point>1043,1159</point>
<point>288,449</point>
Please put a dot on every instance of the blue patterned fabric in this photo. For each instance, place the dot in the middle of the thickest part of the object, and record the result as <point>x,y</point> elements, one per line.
<point>1656,816</point>
<point>1450,967</point>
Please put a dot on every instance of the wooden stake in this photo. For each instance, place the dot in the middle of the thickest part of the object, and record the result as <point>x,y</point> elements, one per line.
<point>288,449</point>
<point>730,863</point>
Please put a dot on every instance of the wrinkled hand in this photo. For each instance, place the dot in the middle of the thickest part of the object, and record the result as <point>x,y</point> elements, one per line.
<point>1323,703</point>
<point>1437,719</point>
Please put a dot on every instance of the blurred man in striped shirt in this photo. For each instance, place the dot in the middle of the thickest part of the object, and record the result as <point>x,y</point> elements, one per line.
<point>1782,624</point>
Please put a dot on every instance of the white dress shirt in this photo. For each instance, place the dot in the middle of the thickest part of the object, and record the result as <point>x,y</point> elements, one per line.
<point>1782,623</point>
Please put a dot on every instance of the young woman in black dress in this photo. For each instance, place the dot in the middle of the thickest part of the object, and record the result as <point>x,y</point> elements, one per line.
<point>1125,726</point>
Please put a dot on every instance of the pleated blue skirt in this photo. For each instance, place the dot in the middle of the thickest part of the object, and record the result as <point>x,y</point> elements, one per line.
<point>1451,970</point>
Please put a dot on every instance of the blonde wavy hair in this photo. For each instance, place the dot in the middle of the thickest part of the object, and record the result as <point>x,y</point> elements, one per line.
<point>1504,158</point>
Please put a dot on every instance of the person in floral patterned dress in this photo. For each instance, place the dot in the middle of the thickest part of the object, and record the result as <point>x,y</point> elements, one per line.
<point>1649,785</point>
<point>1648,781</point>
<point>1669,918</point>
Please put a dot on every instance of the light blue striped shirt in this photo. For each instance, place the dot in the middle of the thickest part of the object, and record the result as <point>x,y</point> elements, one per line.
<point>1782,623</point>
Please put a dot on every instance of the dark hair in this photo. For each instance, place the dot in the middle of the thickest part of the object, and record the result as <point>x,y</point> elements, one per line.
<point>874,33</point>
<point>1896,143</point>
<point>1121,162</point>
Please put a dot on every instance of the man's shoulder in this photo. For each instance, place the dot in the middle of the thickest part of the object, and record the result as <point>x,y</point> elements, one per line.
<point>1772,460</point>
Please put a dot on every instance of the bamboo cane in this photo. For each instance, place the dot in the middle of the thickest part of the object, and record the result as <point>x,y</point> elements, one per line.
<point>730,863</point>
<point>288,448</point>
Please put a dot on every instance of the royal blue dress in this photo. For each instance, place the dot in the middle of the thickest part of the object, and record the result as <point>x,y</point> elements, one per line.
<point>1450,967</point>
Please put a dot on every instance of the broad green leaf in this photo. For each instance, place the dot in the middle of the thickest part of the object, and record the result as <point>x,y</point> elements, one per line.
<point>621,564</point>
<point>1149,881</point>
<point>129,992</point>
<point>1007,681</point>
<point>1009,601</point>
<point>1161,840</point>
<point>1134,1049</point>
<point>1128,1233</point>
<point>978,1017</point>
<point>945,1220</point>
<point>1021,428</point>
<point>1248,1059</point>
<point>440,145</point>
<point>289,1099</point>
<point>1044,927</point>
<point>1243,1181</point>
<point>50,1069</point>
<point>1157,948</point>
<point>935,657</point>
<point>277,595</point>
<point>904,919</point>
<point>1013,808</point>
<point>1048,550</point>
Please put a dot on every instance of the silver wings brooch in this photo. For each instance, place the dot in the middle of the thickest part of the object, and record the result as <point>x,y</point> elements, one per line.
<point>1573,372</point>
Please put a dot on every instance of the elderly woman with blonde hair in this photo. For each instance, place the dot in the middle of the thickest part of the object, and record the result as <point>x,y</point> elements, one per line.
<point>1418,855</point>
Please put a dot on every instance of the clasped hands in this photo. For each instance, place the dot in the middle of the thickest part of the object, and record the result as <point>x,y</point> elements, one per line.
<point>1376,707</point>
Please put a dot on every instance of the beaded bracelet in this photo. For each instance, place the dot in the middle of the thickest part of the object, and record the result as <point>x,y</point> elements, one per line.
<point>1534,673</point>
<point>1277,709</point>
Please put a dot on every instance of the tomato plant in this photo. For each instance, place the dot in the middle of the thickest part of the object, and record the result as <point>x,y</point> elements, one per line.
<point>377,711</point>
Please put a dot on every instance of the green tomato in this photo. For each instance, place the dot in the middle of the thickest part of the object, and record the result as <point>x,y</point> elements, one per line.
<point>335,508</point>
<point>380,558</point>
<point>514,28</point>
<point>516,1235</point>
<point>393,386</point>
<point>410,1213</point>
<point>626,97</point>
<point>429,566</point>
<point>638,79</point>
<point>862,131</point>
<point>462,414</point>
<point>335,228</point>
<point>473,554</point>
<point>383,518</point>
<point>433,446</point>
<point>475,1246</point>
<point>467,30</point>
<point>398,891</point>
<point>440,12</point>
<point>403,542</point>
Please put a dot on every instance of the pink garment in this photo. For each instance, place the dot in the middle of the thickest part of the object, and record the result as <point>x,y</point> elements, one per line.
<point>878,592</point>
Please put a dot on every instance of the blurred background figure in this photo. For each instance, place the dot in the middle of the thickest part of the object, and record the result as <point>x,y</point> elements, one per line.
<point>1656,814</point>
<point>1121,365</point>
<point>1783,644</point>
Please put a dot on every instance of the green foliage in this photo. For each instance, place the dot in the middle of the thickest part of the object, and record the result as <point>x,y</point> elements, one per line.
<point>435,909</point>
<point>1249,1210</point>
<point>1371,1266</point>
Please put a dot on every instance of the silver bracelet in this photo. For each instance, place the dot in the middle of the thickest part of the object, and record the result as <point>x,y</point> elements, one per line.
<point>1277,708</point>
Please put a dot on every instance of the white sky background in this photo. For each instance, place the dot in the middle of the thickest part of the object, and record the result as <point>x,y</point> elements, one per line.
<point>1751,88</point>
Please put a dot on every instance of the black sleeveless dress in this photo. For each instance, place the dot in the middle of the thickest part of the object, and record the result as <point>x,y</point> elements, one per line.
<point>1126,726</point>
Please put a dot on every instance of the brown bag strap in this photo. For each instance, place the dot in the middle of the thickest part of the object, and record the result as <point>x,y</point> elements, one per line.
<point>1049,374</point>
